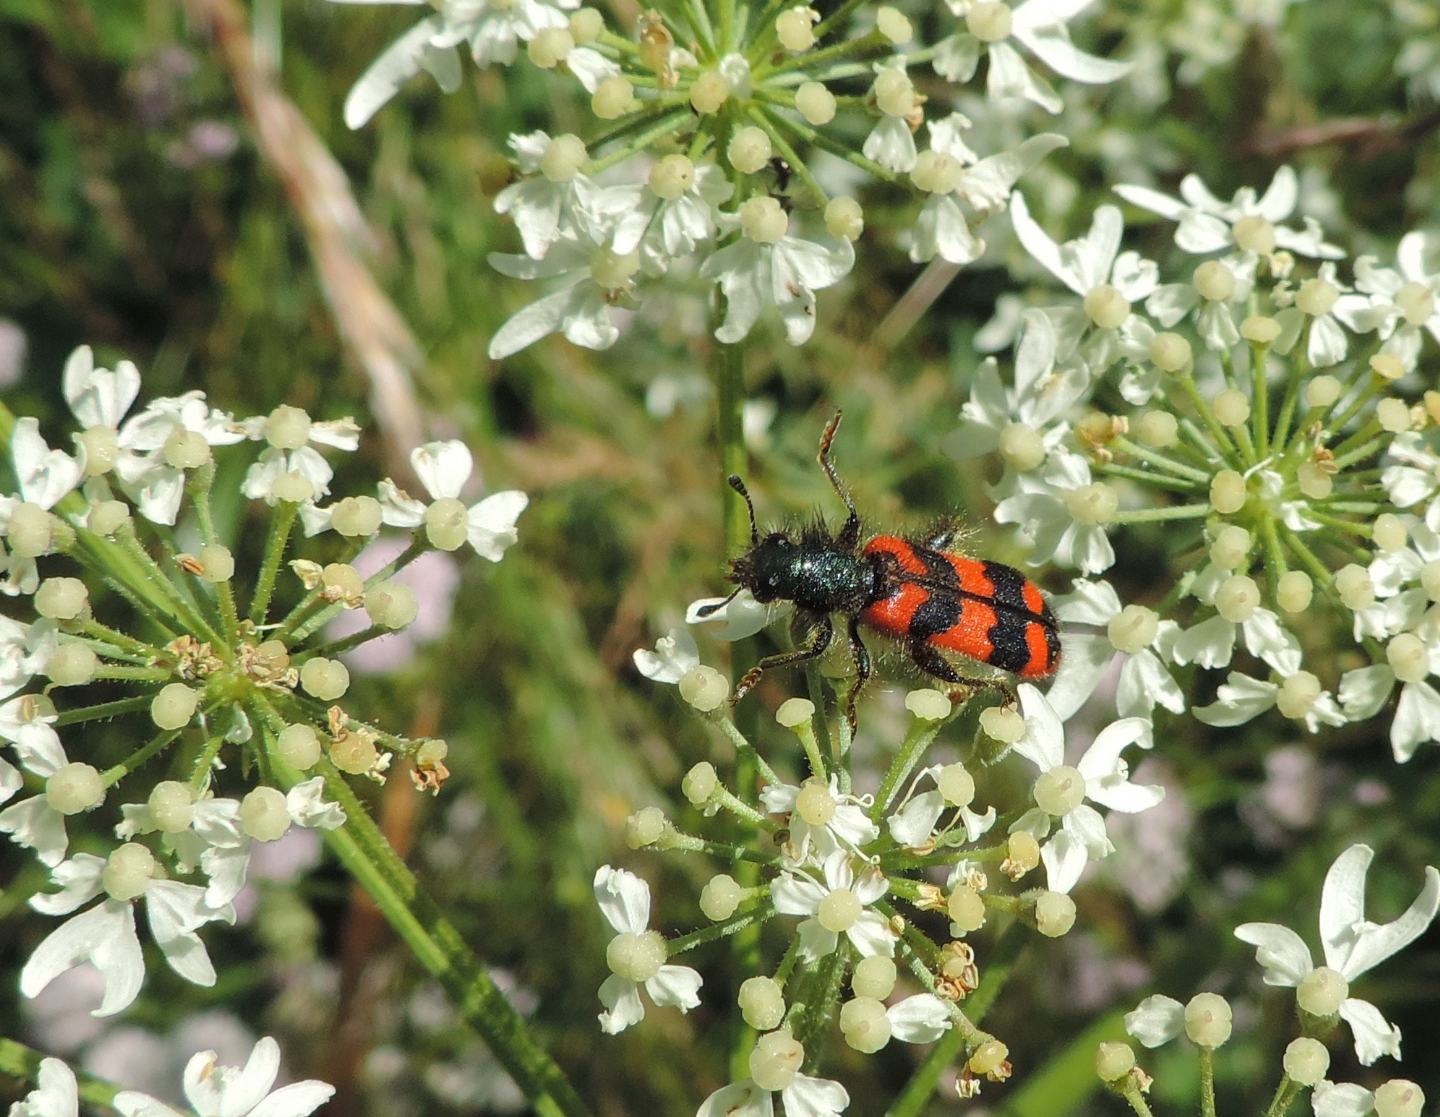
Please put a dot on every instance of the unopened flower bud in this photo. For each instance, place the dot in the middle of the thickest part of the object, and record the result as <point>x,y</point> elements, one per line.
<point>128,871</point>
<point>287,428</point>
<point>989,1057</point>
<point>749,149</point>
<point>1294,590</point>
<point>720,897</point>
<point>185,449</point>
<point>172,806</point>
<point>1314,480</point>
<point>564,155</point>
<point>1352,582</point>
<point>75,787</point>
<point>1297,695</point>
<point>844,218</point>
<point>1390,532</point>
<point>106,517</point>
<point>1322,991</point>
<point>1106,307</point>
<point>894,92</point>
<point>354,753</point>
<point>927,704</point>
<point>709,91</point>
<point>1231,546</point>
<point>1002,724</point>
<point>72,664</point>
<point>874,977</point>
<point>1260,329</point>
<point>30,533</point>
<point>776,1060</point>
<point>956,785</point>
<point>794,712</point>
<point>1399,1098</point>
<point>1306,1061</point>
<point>636,955</point>
<point>1158,429</point>
<point>762,1003</point>
<point>586,25</point>
<point>1323,390</point>
<point>1113,1061</point>
<point>1387,366</point>
<point>795,28</point>
<point>550,47</point>
<point>1394,415</point>
<point>815,103</point>
<point>672,175</point>
<point>1237,598</point>
<point>1316,297</point>
<point>1214,281</point>
<point>704,688</point>
<point>174,706</point>
<point>966,909</point>
<point>864,1024</point>
<point>645,827</point>
<point>700,783</point>
<point>1231,407</point>
<point>1054,914</point>
<point>1022,446</point>
<point>1207,1019</point>
<point>613,98</point>
<point>62,599</point>
<point>391,605</point>
<point>1170,352</point>
<point>263,815</point>
<point>763,220</point>
<point>1227,492</point>
<point>325,679</point>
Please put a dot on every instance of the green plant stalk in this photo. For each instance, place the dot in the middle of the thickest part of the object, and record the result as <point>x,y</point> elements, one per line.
<point>19,1061</point>
<point>438,946</point>
<point>916,742</point>
<point>1207,1082</point>
<point>280,525</point>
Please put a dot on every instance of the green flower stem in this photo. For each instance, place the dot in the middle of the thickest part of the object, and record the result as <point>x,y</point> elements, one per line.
<point>1207,450</point>
<point>1365,531</point>
<point>618,43</point>
<point>835,18</point>
<point>721,851</point>
<point>281,522</point>
<point>824,993</point>
<point>336,647</point>
<point>1274,554</point>
<point>746,756</point>
<point>724,929</point>
<point>19,1061</point>
<point>1247,447</point>
<point>301,627</point>
<point>835,147</point>
<point>1160,461</point>
<point>1207,1082</point>
<point>764,41</point>
<point>917,740</point>
<point>1285,1094</point>
<point>1299,366</point>
<point>104,633</point>
<point>627,124</point>
<point>915,1097</point>
<point>1130,1091</point>
<point>1155,480</point>
<point>1202,408</point>
<point>810,60</point>
<point>181,608</point>
<point>698,18</point>
<point>133,674</point>
<point>103,710</point>
<point>224,592</point>
<point>1363,444</point>
<point>725,26</point>
<point>1260,391</point>
<point>740,809</point>
<point>441,949</point>
<point>1160,515</point>
<point>670,122</point>
<point>805,734</point>
<point>111,776</point>
<point>944,854</point>
<point>790,155</point>
<point>205,763</point>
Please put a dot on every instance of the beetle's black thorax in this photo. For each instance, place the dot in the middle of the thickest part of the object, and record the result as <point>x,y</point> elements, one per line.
<point>812,572</point>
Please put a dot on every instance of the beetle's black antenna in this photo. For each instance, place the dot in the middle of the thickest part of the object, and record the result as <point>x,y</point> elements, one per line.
<point>850,533</point>
<point>739,486</point>
<point>712,609</point>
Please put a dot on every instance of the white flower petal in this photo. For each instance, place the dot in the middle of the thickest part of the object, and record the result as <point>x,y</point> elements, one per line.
<point>624,1007</point>
<point>923,1018</point>
<point>624,899</point>
<point>675,985</point>
<point>1156,1020</point>
<point>814,1097</point>
<point>1280,951</point>
<point>1374,1035</point>
<point>1341,1099</point>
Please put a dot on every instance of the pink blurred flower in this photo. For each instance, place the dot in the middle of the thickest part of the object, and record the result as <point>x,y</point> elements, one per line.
<point>434,578</point>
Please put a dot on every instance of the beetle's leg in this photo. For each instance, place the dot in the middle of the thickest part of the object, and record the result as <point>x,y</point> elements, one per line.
<point>933,663</point>
<point>942,534</point>
<point>820,637</point>
<point>849,536</point>
<point>862,671</point>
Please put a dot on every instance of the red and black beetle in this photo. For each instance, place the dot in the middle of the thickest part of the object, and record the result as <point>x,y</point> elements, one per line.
<point>912,590</point>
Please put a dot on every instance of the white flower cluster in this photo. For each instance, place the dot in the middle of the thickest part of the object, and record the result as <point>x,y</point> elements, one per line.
<point>844,866</point>
<point>211,1089</point>
<point>1353,945</point>
<point>711,122</point>
<point>1272,419</point>
<point>236,709</point>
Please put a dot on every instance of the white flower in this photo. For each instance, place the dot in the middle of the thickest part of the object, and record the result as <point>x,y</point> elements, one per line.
<point>218,1091</point>
<point>1156,1020</point>
<point>98,397</point>
<point>105,934</point>
<point>444,468</point>
<point>1041,396</point>
<point>675,654</point>
<point>1399,305</point>
<point>1144,678</point>
<point>412,52</point>
<point>144,472</point>
<point>913,823</point>
<point>45,476</point>
<point>24,651</point>
<point>1415,473</point>
<point>849,827</point>
<point>636,955</point>
<point>590,279</point>
<point>957,179</point>
<point>1326,343</point>
<point>1417,714</point>
<point>740,616</point>
<point>1209,225</point>
<point>922,1018</point>
<point>1037,25</point>
<point>778,1064</point>
<point>1053,509</point>
<point>1107,280</point>
<point>543,208</point>
<point>1241,698</point>
<point>1352,944</point>
<point>844,897</point>
<point>1100,776</point>
<point>1214,318</point>
<point>274,463</point>
<point>784,274</point>
<point>1211,642</point>
<point>33,822</point>
<point>56,1093</point>
<point>663,229</point>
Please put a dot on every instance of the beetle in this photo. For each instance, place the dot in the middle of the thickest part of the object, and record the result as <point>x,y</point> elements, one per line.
<point>914,591</point>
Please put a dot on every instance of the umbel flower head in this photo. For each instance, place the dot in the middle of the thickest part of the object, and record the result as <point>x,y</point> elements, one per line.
<point>707,126</point>
<point>1260,419</point>
<point>235,698</point>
